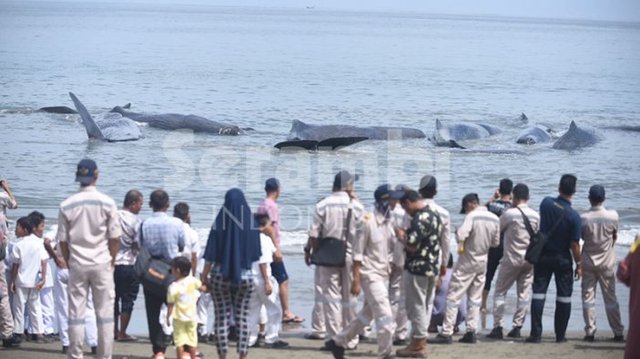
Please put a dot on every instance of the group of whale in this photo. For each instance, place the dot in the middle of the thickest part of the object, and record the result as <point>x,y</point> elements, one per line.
<point>121,125</point>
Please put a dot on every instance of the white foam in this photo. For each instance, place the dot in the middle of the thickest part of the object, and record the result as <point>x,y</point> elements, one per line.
<point>627,235</point>
<point>290,241</point>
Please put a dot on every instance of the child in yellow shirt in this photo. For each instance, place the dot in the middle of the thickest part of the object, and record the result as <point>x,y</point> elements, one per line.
<point>182,298</point>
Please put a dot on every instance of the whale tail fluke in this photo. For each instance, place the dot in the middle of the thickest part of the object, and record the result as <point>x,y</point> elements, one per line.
<point>89,124</point>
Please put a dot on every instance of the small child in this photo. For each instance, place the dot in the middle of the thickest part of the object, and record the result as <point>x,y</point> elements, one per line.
<point>266,292</point>
<point>28,276</point>
<point>182,298</point>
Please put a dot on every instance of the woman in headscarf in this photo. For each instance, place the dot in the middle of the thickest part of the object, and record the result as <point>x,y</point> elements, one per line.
<point>232,247</point>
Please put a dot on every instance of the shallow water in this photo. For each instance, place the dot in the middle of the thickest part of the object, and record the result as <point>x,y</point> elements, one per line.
<point>263,68</point>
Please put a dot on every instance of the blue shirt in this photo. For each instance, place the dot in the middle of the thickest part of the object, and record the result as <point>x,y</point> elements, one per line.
<point>163,236</point>
<point>569,229</point>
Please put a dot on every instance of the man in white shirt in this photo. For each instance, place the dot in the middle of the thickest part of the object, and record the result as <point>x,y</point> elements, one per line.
<point>513,267</point>
<point>599,233</point>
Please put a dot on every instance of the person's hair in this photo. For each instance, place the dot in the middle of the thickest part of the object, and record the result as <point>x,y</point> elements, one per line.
<point>427,192</point>
<point>182,264</point>
<point>181,210</point>
<point>36,218</point>
<point>521,192</point>
<point>159,199</point>
<point>26,223</point>
<point>568,184</point>
<point>450,263</point>
<point>261,219</point>
<point>506,186</point>
<point>131,197</point>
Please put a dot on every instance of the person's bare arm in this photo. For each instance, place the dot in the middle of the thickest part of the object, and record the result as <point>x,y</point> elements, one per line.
<point>114,245</point>
<point>43,270</point>
<point>265,277</point>
<point>355,284</point>
<point>575,250</point>
<point>194,263</point>
<point>169,313</point>
<point>14,275</point>
<point>205,272</point>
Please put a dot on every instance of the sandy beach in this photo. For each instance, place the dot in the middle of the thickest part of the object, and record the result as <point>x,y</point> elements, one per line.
<point>308,349</point>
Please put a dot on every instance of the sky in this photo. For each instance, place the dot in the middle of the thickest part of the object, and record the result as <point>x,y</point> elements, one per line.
<point>614,10</point>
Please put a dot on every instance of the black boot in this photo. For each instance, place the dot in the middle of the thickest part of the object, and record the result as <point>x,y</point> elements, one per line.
<point>496,333</point>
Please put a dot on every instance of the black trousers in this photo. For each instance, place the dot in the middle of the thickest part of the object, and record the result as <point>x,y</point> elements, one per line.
<point>493,260</point>
<point>560,266</point>
<point>153,304</point>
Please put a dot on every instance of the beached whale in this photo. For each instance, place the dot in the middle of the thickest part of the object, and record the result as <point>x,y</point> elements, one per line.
<point>303,131</point>
<point>535,134</point>
<point>449,135</point>
<point>111,128</point>
<point>67,110</point>
<point>174,121</point>
<point>577,137</point>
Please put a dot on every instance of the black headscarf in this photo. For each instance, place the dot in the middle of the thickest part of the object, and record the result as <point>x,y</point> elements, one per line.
<point>234,243</point>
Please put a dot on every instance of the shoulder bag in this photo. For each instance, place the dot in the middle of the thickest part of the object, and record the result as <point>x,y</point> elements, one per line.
<point>332,252</point>
<point>537,239</point>
<point>154,273</point>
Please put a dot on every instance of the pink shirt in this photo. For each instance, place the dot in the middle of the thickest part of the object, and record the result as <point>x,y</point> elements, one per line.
<point>270,207</point>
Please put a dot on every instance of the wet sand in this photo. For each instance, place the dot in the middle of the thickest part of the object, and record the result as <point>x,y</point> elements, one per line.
<point>575,348</point>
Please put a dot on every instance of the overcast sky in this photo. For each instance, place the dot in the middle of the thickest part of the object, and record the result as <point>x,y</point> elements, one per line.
<point>620,10</point>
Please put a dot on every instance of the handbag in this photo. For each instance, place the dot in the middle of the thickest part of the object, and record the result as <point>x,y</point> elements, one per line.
<point>332,252</point>
<point>154,273</point>
<point>537,239</point>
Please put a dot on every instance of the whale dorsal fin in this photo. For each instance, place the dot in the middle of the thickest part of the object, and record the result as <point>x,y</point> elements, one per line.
<point>127,106</point>
<point>438,124</point>
<point>89,124</point>
<point>573,125</point>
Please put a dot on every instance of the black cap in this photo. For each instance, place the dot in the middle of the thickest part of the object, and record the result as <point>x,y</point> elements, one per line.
<point>382,192</point>
<point>428,183</point>
<point>272,184</point>
<point>470,197</point>
<point>86,171</point>
<point>596,193</point>
<point>343,179</point>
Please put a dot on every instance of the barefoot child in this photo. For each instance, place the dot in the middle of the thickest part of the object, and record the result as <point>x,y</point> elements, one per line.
<point>182,297</point>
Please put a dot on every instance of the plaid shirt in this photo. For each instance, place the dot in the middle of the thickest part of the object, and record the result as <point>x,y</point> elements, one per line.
<point>163,236</point>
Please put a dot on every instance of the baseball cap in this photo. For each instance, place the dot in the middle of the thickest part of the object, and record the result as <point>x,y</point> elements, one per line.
<point>272,184</point>
<point>343,178</point>
<point>87,169</point>
<point>470,197</point>
<point>596,193</point>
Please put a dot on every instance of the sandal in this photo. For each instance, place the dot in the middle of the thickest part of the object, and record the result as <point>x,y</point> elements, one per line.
<point>293,320</point>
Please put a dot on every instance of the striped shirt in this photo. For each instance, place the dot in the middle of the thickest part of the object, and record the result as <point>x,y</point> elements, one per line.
<point>163,236</point>
<point>86,221</point>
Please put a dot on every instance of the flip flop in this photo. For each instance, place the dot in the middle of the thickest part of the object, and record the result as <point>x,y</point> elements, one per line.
<point>128,338</point>
<point>293,320</point>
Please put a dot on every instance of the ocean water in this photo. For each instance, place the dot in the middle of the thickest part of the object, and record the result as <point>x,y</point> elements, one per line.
<point>264,67</point>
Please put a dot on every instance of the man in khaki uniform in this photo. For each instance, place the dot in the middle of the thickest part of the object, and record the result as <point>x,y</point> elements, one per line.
<point>89,234</point>
<point>371,273</point>
<point>599,233</point>
<point>513,267</point>
<point>479,231</point>
<point>329,220</point>
<point>399,219</point>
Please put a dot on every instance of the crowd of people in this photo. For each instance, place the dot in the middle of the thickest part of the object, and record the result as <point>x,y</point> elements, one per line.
<point>398,255</point>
